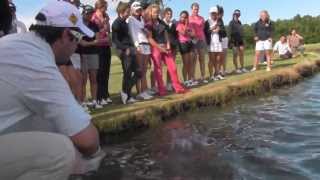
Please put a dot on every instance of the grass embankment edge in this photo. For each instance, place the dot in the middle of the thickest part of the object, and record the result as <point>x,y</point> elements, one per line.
<point>216,94</point>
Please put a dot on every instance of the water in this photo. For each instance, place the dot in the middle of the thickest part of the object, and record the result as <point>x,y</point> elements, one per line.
<point>276,137</point>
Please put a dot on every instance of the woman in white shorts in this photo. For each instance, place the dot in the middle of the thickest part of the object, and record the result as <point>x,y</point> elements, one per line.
<point>263,36</point>
<point>214,44</point>
<point>139,33</point>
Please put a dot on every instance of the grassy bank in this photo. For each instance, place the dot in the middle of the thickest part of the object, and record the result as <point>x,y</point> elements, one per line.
<point>119,117</point>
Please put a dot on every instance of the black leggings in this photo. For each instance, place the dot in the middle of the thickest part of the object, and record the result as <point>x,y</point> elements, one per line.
<point>130,71</point>
<point>103,73</point>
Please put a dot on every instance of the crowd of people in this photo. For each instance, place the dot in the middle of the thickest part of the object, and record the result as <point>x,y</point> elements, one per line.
<point>44,72</point>
<point>147,37</point>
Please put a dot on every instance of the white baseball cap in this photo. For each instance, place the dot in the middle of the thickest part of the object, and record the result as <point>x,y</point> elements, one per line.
<point>214,9</point>
<point>136,5</point>
<point>63,14</point>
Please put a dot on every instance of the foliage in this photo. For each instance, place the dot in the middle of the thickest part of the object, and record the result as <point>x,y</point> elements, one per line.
<point>306,26</point>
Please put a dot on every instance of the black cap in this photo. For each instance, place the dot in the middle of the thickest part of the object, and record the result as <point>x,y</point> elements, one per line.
<point>237,11</point>
<point>87,9</point>
<point>12,7</point>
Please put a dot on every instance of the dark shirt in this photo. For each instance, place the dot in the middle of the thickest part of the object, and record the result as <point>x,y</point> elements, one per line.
<point>207,32</point>
<point>236,30</point>
<point>173,34</point>
<point>90,49</point>
<point>120,34</point>
<point>263,30</point>
<point>158,30</point>
<point>223,31</point>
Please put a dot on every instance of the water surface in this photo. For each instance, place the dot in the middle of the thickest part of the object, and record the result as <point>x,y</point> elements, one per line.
<point>275,137</point>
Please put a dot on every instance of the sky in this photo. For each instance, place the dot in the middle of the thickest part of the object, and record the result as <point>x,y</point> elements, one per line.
<point>278,9</point>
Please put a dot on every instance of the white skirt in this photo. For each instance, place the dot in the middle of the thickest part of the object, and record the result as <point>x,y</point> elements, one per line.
<point>225,42</point>
<point>76,61</point>
<point>263,45</point>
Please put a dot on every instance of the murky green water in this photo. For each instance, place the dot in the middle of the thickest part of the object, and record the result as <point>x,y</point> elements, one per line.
<point>269,138</point>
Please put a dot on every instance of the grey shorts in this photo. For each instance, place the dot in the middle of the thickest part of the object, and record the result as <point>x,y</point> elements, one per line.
<point>90,62</point>
<point>201,44</point>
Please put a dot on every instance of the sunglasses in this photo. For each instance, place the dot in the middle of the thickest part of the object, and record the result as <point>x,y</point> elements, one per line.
<point>76,36</point>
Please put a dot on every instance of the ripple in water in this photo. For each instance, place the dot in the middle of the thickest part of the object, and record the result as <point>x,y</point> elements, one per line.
<point>267,138</point>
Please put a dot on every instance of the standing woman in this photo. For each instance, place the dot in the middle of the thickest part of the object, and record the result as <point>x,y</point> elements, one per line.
<point>90,58</point>
<point>6,18</point>
<point>214,43</point>
<point>199,39</point>
<point>161,51</point>
<point>138,35</point>
<point>173,37</point>
<point>126,52</point>
<point>224,40</point>
<point>263,30</point>
<point>185,33</point>
<point>101,19</point>
<point>237,43</point>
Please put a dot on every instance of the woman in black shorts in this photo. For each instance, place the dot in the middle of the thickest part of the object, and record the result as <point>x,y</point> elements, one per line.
<point>237,43</point>
<point>185,33</point>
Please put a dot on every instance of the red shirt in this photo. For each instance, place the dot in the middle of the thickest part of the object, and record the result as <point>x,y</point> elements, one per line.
<point>198,24</point>
<point>104,27</point>
<point>181,28</point>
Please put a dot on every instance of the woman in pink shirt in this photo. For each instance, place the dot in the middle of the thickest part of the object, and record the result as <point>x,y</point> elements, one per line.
<point>185,33</point>
<point>101,19</point>
<point>199,40</point>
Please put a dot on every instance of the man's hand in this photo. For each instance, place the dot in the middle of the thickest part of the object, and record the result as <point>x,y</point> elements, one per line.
<point>256,38</point>
<point>86,141</point>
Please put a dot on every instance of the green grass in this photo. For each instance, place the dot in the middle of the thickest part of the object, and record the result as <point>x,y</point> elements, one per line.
<point>115,81</point>
<point>151,112</point>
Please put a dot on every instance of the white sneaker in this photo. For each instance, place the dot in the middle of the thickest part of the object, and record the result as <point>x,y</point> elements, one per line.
<point>194,83</point>
<point>124,97</point>
<point>85,108</point>
<point>268,69</point>
<point>244,70</point>
<point>187,83</point>
<point>169,87</point>
<point>147,96</point>
<point>220,77</point>
<point>238,71</point>
<point>97,106</point>
<point>103,102</point>
<point>132,100</point>
<point>265,62</point>
<point>109,100</point>
<point>215,78</point>
<point>151,92</point>
<point>204,81</point>
<point>253,69</point>
<point>144,96</point>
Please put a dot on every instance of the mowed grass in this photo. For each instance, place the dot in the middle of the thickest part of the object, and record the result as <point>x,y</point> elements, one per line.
<point>115,81</point>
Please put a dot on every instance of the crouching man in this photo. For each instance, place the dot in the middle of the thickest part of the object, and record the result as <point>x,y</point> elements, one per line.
<point>44,133</point>
<point>283,49</point>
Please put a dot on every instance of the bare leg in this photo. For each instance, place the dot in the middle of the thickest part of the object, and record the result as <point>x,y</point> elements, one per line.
<point>201,55</point>
<point>185,67</point>
<point>193,65</point>
<point>268,55</point>
<point>241,56</point>
<point>256,60</point>
<point>84,85</point>
<point>93,83</point>
<point>211,63</point>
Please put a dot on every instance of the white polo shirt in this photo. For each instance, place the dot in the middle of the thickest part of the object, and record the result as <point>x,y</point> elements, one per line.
<point>34,95</point>
<point>136,30</point>
<point>282,48</point>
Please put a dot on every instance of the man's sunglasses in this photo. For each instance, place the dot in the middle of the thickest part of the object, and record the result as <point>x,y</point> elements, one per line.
<point>75,35</point>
